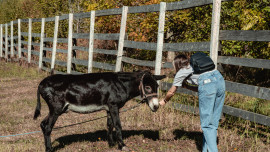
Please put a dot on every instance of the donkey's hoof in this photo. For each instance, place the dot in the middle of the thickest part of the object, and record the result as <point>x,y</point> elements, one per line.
<point>125,148</point>
<point>49,150</point>
<point>112,144</point>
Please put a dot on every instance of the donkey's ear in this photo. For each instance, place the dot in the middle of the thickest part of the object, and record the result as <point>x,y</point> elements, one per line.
<point>159,77</point>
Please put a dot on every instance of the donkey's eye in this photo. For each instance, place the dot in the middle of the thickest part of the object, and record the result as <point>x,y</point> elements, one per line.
<point>148,88</point>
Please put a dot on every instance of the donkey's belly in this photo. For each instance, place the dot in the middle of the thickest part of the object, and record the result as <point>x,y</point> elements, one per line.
<point>86,108</point>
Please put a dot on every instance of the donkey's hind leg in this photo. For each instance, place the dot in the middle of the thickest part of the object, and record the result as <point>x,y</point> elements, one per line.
<point>47,126</point>
<point>110,129</point>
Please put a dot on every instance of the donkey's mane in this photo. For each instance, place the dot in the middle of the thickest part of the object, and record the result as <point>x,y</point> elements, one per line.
<point>128,76</point>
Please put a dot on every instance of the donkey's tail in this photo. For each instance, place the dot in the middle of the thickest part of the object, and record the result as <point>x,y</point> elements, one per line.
<point>38,107</point>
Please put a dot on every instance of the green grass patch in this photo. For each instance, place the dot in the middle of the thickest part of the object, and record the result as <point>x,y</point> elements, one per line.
<point>251,104</point>
<point>13,70</point>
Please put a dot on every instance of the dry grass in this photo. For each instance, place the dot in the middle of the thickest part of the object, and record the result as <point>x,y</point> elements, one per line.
<point>166,130</point>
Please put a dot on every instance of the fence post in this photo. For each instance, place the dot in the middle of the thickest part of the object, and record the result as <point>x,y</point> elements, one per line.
<point>29,40</point>
<point>161,25</point>
<point>121,39</point>
<point>54,42</point>
<point>19,39</point>
<point>214,43</point>
<point>91,42</point>
<point>11,39</point>
<point>1,40</point>
<point>41,43</point>
<point>70,42</point>
<point>6,42</point>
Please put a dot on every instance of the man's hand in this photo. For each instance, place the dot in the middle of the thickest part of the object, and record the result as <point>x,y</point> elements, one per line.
<point>162,102</point>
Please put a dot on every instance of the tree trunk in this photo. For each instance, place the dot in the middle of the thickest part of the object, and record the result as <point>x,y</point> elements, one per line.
<point>171,56</point>
<point>169,37</point>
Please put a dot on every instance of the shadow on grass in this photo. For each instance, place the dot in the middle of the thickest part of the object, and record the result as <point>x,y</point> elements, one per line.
<point>193,135</point>
<point>101,135</point>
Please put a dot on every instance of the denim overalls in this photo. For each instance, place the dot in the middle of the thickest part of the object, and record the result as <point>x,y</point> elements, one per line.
<point>211,91</point>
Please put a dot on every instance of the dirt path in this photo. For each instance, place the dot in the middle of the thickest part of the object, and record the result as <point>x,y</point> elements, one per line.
<point>15,89</point>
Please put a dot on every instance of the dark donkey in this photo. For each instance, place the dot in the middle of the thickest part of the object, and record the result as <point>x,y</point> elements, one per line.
<point>88,93</point>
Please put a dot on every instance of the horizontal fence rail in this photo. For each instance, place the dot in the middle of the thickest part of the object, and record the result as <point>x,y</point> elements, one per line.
<point>261,36</point>
<point>187,47</point>
<point>176,47</point>
<point>16,45</point>
<point>255,63</point>
<point>100,36</point>
<point>139,62</point>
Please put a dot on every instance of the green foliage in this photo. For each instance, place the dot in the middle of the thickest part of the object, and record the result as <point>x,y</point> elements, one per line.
<point>188,25</point>
<point>9,10</point>
<point>246,15</point>
<point>52,8</point>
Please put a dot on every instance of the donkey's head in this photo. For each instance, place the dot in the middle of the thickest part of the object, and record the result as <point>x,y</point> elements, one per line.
<point>149,89</point>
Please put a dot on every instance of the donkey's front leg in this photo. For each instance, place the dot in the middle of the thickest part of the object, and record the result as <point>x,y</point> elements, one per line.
<point>114,111</point>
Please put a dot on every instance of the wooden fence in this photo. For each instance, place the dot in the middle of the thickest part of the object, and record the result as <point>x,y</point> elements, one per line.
<point>11,47</point>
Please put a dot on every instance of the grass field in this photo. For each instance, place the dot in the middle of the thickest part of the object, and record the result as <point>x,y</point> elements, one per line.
<point>166,130</point>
